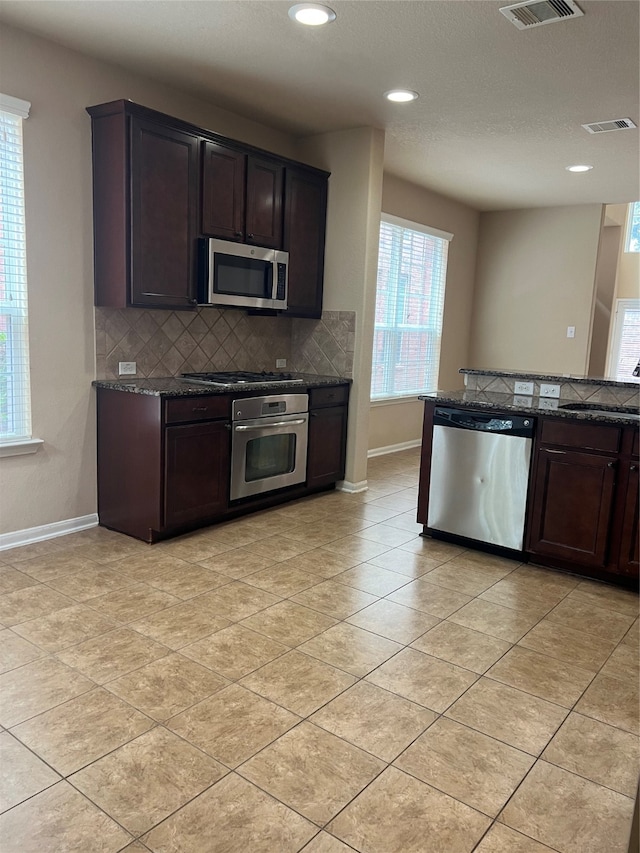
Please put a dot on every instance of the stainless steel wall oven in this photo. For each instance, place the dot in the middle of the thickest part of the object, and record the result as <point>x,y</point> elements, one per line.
<point>268,443</point>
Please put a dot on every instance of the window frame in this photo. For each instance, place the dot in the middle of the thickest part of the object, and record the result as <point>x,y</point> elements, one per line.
<point>633,209</point>
<point>18,442</point>
<point>409,225</point>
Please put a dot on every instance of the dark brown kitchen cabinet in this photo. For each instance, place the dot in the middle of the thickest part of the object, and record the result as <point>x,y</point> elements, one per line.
<point>163,464</point>
<point>572,506</point>
<point>145,206</point>
<point>196,472</point>
<point>328,409</point>
<point>241,196</point>
<point>629,559</point>
<point>304,238</point>
<point>583,513</point>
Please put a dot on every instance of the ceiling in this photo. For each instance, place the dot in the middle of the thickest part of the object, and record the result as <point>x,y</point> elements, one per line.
<point>500,109</point>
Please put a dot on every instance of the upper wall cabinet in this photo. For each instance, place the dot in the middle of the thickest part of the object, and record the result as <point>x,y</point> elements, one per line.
<point>304,230</point>
<point>241,196</point>
<point>145,207</point>
<point>160,183</point>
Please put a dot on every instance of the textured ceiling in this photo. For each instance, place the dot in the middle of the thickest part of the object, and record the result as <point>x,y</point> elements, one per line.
<point>499,112</point>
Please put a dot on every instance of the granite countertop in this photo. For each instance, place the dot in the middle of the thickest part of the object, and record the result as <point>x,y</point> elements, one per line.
<point>171,386</point>
<point>548,377</point>
<point>620,415</point>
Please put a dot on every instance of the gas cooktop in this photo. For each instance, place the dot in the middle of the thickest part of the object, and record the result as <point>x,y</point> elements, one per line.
<point>240,377</point>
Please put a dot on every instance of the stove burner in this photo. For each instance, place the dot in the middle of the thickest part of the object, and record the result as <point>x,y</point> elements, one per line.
<point>239,377</point>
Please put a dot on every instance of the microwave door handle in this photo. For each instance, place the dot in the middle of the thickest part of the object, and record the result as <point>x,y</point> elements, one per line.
<point>270,281</point>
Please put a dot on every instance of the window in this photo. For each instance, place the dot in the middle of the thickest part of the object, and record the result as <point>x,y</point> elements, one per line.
<point>632,242</point>
<point>625,341</point>
<point>15,414</point>
<point>412,270</point>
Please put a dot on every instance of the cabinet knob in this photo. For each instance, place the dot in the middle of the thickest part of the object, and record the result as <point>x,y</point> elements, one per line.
<point>193,301</point>
<point>250,236</point>
<point>238,234</point>
<point>611,464</point>
<point>633,467</point>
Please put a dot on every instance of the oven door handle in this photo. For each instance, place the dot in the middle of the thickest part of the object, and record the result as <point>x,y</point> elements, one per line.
<point>268,426</point>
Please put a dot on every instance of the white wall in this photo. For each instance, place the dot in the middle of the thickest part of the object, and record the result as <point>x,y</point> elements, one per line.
<point>535,276</point>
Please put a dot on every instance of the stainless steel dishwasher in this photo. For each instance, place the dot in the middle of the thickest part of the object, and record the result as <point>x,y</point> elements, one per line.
<point>479,475</point>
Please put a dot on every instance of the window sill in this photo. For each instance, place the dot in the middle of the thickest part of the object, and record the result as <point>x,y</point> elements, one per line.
<point>21,448</point>
<point>394,401</point>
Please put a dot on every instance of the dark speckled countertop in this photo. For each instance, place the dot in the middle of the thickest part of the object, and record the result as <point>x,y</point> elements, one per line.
<point>621,415</point>
<point>171,386</point>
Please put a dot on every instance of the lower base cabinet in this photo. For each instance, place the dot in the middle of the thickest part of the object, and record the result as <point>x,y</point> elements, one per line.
<point>583,513</point>
<point>196,472</point>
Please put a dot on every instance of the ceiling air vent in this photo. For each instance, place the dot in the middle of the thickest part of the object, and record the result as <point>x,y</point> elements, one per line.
<point>539,12</point>
<point>612,124</point>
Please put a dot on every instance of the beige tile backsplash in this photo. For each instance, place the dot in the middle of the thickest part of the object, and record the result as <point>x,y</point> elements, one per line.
<point>168,343</point>
<point>592,392</point>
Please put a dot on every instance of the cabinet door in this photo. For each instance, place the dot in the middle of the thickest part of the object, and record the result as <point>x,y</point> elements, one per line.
<point>571,506</point>
<point>264,202</point>
<point>196,485</point>
<point>223,179</point>
<point>629,562</point>
<point>327,446</point>
<point>164,211</point>
<point>304,236</point>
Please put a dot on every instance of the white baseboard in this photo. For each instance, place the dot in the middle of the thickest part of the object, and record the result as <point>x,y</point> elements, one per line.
<point>352,488</point>
<point>394,448</point>
<point>47,531</point>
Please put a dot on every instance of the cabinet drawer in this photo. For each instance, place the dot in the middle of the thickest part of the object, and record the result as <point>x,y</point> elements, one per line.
<point>583,436</point>
<point>330,396</point>
<point>188,409</point>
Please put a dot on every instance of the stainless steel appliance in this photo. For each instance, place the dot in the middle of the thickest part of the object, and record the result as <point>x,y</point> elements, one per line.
<point>268,443</point>
<point>229,378</point>
<point>235,274</point>
<point>479,475</point>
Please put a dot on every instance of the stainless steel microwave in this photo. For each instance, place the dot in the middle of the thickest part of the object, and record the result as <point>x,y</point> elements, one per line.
<point>235,274</point>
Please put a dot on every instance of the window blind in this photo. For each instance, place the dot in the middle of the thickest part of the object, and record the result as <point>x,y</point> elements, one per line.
<point>625,355</point>
<point>15,413</point>
<point>412,270</point>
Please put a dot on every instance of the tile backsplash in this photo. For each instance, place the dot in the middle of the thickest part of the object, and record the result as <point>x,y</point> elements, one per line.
<point>583,391</point>
<point>168,343</point>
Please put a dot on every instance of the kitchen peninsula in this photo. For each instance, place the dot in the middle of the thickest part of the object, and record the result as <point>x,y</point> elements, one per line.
<point>564,466</point>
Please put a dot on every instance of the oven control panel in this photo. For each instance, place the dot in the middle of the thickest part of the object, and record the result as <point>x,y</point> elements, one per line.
<point>250,408</point>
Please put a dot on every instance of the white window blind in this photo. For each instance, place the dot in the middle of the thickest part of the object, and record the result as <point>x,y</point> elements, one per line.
<point>15,410</point>
<point>412,271</point>
<point>625,341</point>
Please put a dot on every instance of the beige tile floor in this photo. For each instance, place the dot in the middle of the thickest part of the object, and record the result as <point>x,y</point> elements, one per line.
<point>314,678</point>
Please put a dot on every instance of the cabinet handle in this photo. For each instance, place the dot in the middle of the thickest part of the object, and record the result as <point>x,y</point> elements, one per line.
<point>633,467</point>
<point>559,452</point>
<point>313,414</point>
<point>200,408</point>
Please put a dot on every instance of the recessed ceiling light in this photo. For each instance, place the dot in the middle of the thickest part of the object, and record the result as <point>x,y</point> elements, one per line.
<point>401,96</point>
<point>312,14</point>
<point>578,168</point>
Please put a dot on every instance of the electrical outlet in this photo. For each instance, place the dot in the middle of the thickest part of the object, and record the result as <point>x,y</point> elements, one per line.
<point>549,390</point>
<point>126,368</point>
<point>571,331</point>
<point>525,401</point>
<point>281,362</point>
<point>523,388</point>
<point>547,403</point>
